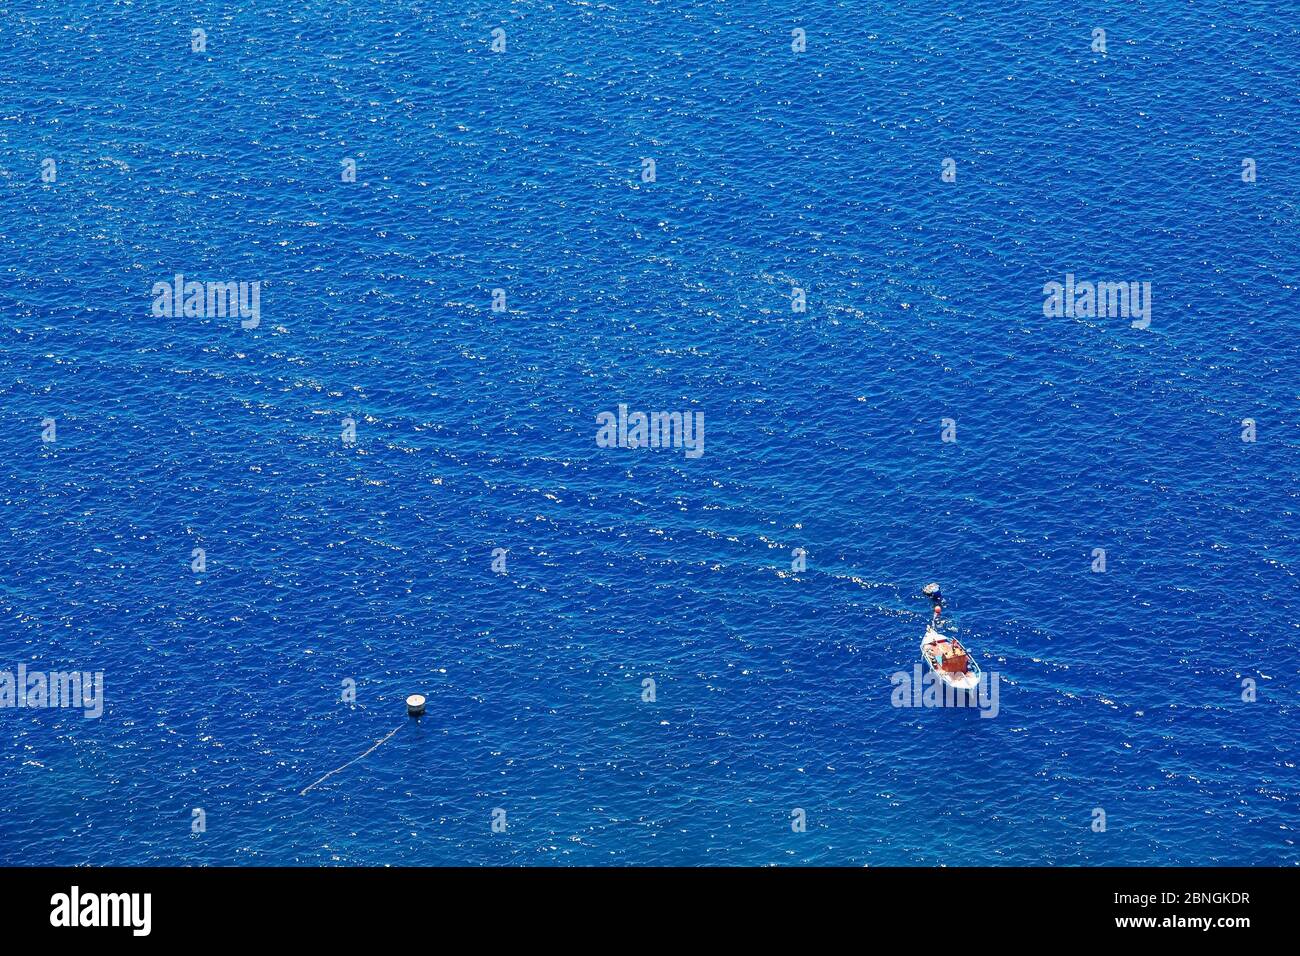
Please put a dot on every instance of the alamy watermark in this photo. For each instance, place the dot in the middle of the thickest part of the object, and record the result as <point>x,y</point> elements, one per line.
<point>651,430</point>
<point>208,300</point>
<point>53,689</point>
<point>75,908</point>
<point>923,688</point>
<point>1108,300</point>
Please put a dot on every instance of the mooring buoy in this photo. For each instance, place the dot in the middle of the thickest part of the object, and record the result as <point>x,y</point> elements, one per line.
<point>415,705</point>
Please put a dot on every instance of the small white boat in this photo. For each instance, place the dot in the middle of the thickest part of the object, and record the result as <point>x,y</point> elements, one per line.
<point>949,660</point>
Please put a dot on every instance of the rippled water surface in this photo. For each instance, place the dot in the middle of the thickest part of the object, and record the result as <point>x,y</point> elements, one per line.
<point>522,171</point>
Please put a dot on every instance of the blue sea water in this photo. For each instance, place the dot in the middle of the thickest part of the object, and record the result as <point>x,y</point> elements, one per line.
<point>328,562</point>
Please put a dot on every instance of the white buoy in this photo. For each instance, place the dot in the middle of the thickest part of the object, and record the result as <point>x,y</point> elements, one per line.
<point>415,705</point>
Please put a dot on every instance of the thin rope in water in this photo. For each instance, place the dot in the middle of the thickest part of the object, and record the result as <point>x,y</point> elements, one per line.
<point>350,762</point>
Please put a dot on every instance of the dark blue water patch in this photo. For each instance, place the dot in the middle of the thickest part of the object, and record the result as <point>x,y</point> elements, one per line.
<point>370,563</point>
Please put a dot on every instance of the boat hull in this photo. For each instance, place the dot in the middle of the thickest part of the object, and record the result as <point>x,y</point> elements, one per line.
<point>932,643</point>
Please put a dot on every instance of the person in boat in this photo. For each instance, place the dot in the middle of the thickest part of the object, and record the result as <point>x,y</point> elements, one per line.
<point>949,655</point>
